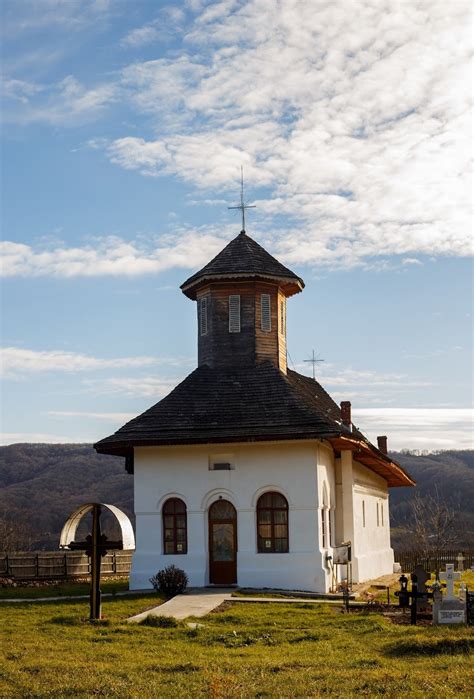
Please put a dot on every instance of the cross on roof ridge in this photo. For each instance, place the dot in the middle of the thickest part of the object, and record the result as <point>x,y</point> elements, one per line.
<point>242,206</point>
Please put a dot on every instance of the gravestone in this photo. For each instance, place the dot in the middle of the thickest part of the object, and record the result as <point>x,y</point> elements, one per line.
<point>422,577</point>
<point>460,559</point>
<point>449,609</point>
<point>470,607</point>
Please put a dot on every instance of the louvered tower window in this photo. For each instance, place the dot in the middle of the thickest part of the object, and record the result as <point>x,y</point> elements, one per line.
<point>203,316</point>
<point>265,312</point>
<point>282,316</point>
<point>234,313</point>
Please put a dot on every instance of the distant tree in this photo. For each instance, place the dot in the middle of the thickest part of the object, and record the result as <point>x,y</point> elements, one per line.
<point>15,533</point>
<point>435,521</point>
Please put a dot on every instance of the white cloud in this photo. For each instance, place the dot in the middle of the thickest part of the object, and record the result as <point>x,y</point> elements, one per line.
<point>361,137</point>
<point>362,134</point>
<point>419,428</point>
<point>20,90</point>
<point>144,386</point>
<point>40,438</point>
<point>165,26</point>
<point>111,256</point>
<point>25,16</point>
<point>109,417</point>
<point>16,361</point>
<point>67,103</point>
<point>411,261</point>
<point>332,375</point>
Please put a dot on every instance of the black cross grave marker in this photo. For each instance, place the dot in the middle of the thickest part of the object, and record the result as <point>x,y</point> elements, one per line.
<point>96,545</point>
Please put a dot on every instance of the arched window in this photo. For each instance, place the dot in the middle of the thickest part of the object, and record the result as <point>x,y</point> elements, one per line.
<point>175,538</point>
<point>272,523</point>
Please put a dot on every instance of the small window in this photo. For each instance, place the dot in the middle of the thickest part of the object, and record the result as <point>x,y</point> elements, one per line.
<point>282,316</point>
<point>175,538</point>
<point>272,523</point>
<point>381,512</point>
<point>203,316</point>
<point>330,527</point>
<point>266,313</point>
<point>363,513</point>
<point>221,462</point>
<point>378,516</point>
<point>234,313</point>
<point>221,466</point>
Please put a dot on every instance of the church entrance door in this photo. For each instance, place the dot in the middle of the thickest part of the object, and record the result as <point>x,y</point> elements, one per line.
<point>222,543</point>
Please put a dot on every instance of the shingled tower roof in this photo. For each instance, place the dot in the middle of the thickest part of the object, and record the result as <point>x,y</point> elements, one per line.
<point>243,258</point>
<point>242,390</point>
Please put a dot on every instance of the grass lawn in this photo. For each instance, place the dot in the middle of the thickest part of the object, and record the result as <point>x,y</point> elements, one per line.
<point>259,650</point>
<point>62,589</point>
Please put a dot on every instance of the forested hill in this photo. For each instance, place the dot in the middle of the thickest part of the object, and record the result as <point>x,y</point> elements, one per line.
<point>451,474</point>
<point>40,485</point>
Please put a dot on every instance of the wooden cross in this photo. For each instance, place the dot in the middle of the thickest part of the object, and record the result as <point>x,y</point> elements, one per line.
<point>96,546</point>
<point>449,577</point>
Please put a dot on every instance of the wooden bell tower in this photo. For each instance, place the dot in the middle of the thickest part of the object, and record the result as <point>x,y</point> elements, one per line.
<point>241,306</point>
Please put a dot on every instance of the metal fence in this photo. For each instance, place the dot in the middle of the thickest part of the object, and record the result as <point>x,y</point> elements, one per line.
<point>47,565</point>
<point>434,560</point>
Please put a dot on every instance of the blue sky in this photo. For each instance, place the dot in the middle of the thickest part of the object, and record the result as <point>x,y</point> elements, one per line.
<point>124,128</point>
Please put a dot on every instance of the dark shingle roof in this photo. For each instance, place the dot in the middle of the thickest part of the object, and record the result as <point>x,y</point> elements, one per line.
<point>242,257</point>
<point>256,403</point>
<point>237,404</point>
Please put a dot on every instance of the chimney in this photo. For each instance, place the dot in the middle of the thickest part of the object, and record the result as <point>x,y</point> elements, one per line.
<point>346,413</point>
<point>382,444</point>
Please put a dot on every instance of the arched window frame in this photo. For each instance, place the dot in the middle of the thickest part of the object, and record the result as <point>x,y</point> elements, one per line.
<point>175,527</point>
<point>274,518</point>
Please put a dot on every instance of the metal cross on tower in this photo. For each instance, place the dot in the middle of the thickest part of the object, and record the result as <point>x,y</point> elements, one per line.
<point>242,206</point>
<point>313,361</point>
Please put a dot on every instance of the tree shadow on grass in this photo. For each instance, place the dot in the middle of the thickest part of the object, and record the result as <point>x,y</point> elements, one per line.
<point>428,647</point>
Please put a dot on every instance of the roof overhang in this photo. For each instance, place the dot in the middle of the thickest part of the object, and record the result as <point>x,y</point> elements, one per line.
<point>375,460</point>
<point>125,447</point>
<point>289,285</point>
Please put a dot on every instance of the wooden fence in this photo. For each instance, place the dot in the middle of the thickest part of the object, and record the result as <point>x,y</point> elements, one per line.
<point>42,565</point>
<point>434,560</point>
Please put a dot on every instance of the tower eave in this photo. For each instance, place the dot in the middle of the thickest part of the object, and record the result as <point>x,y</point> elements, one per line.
<point>289,286</point>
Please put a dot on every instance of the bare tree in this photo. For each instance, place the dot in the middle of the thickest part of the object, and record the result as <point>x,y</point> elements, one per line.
<point>435,523</point>
<point>15,533</point>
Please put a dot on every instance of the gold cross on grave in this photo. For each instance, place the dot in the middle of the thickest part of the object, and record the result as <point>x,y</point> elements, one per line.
<point>449,577</point>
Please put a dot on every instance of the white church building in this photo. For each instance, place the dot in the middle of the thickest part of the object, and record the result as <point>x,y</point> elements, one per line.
<point>248,473</point>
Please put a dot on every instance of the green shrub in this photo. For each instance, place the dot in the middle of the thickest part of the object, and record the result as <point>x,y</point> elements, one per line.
<point>162,622</point>
<point>170,581</point>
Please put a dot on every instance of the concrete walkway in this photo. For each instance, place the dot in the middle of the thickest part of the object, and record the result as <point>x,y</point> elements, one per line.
<point>202,601</point>
<point>191,603</point>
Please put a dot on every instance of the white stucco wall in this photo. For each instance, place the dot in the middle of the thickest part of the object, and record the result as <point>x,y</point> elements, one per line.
<point>373,555</point>
<point>301,471</point>
<point>289,468</point>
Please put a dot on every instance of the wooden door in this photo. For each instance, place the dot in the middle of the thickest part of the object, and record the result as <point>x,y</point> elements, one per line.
<point>222,543</point>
